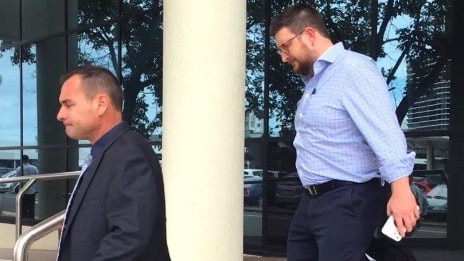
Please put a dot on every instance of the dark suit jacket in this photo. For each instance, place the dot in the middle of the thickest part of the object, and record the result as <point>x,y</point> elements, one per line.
<point>118,212</point>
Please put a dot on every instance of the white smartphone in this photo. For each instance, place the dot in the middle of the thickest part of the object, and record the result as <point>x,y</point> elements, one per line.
<point>390,229</point>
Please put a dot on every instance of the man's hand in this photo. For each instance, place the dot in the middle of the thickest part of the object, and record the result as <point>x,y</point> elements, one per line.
<point>402,205</point>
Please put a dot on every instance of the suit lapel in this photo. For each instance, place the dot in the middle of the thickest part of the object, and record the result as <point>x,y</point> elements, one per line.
<point>88,176</point>
<point>80,192</point>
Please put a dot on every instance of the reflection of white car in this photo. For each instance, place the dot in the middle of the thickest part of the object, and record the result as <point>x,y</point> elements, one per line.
<point>9,187</point>
<point>437,199</point>
<point>253,172</point>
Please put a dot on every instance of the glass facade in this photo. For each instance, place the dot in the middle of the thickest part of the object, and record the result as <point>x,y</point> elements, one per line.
<point>417,71</point>
<point>40,40</point>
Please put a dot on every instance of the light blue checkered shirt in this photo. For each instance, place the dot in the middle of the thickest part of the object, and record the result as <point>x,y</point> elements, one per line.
<point>346,127</point>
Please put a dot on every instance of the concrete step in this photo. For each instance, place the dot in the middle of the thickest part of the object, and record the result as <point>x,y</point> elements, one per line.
<point>34,255</point>
<point>7,238</point>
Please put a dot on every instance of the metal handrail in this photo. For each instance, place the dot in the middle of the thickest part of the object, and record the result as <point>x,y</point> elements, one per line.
<point>29,181</point>
<point>48,176</point>
<point>22,245</point>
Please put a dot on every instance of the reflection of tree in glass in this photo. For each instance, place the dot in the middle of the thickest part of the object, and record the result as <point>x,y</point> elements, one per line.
<point>137,58</point>
<point>140,50</point>
<point>366,27</point>
<point>363,26</point>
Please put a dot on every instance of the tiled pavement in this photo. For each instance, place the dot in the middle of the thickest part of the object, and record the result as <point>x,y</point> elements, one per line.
<point>421,255</point>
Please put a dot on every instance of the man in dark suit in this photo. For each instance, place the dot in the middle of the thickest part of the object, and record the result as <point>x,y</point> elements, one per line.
<point>117,208</point>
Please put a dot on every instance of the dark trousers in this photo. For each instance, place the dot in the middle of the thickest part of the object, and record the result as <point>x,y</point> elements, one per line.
<point>28,206</point>
<point>335,226</point>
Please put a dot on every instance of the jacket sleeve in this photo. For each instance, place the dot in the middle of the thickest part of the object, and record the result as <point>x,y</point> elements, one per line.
<point>131,207</point>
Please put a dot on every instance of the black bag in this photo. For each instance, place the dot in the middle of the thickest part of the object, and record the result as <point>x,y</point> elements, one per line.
<point>383,248</point>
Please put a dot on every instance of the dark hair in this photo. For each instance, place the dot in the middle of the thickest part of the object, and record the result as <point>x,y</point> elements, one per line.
<point>296,18</point>
<point>97,79</point>
<point>25,158</point>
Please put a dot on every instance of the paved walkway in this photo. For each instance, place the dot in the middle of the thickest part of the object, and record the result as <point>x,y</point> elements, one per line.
<point>259,258</point>
<point>421,255</point>
<point>44,255</point>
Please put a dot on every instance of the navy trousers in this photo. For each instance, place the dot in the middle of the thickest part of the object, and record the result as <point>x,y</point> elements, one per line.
<point>337,225</point>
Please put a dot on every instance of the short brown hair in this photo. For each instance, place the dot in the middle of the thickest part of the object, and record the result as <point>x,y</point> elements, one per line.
<point>296,18</point>
<point>96,78</point>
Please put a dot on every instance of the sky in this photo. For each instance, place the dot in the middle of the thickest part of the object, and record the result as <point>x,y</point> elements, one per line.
<point>10,103</point>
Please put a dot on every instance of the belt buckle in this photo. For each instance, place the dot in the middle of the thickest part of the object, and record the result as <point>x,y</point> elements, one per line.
<point>312,190</point>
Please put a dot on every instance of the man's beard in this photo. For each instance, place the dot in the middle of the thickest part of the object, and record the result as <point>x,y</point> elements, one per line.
<point>302,68</point>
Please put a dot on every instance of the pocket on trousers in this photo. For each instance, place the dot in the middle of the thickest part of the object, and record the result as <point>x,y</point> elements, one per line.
<point>364,199</point>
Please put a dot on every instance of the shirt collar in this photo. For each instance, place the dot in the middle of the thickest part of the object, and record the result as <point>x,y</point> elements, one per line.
<point>328,57</point>
<point>101,143</point>
<point>332,53</point>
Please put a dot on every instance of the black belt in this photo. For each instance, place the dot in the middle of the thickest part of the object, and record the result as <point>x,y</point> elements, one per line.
<point>315,190</point>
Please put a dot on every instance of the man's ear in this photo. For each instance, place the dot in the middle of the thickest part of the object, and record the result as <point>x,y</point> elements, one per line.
<point>102,101</point>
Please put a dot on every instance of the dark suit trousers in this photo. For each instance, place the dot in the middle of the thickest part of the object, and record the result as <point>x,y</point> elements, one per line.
<point>28,206</point>
<point>335,226</point>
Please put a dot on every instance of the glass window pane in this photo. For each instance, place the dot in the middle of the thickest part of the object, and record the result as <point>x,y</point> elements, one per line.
<point>9,161</point>
<point>416,70</point>
<point>9,22</point>
<point>52,194</point>
<point>431,111</point>
<point>430,177</point>
<point>253,196</point>
<point>9,99</point>
<point>30,135</point>
<point>83,13</point>
<point>283,188</point>
<point>44,62</point>
<point>97,46</point>
<point>254,74</point>
<point>142,69</point>
<point>42,18</point>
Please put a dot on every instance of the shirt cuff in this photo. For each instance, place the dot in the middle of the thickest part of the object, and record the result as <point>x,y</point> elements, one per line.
<point>399,168</point>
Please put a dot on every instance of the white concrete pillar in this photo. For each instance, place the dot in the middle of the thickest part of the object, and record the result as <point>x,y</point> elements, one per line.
<point>203,127</point>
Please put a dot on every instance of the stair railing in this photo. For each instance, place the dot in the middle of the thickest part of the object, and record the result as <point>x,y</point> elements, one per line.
<point>22,245</point>
<point>24,241</point>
